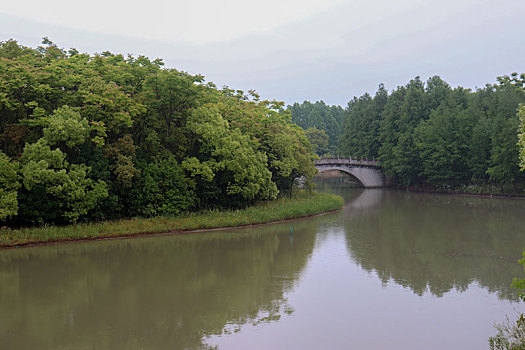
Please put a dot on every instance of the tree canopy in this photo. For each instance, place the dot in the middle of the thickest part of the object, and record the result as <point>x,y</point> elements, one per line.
<point>430,133</point>
<point>86,137</point>
<point>319,116</point>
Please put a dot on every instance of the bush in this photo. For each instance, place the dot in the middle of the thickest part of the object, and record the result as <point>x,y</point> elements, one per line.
<point>511,336</point>
<point>163,190</point>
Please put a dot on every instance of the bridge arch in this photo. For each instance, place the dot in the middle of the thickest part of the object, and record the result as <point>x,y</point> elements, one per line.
<point>346,171</point>
<point>365,171</point>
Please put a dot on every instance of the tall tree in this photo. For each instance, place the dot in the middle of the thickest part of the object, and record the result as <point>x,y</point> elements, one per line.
<point>318,140</point>
<point>321,116</point>
<point>360,130</point>
<point>226,166</point>
<point>521,114</point>
<point>171,94</point>
<point>442,143</point>
<point>9,186</point>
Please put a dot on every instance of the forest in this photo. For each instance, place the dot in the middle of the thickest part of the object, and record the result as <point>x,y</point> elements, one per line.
<point>430,134</point>
<point>91,137</point>
<point>321,124</point>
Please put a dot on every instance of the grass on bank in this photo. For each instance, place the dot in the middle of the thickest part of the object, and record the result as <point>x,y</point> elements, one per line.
<point>302,204</point>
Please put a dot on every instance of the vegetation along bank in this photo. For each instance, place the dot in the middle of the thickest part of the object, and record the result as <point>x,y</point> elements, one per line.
<point>101,137</point>
<point>430,136</point>
<point>302,203</point>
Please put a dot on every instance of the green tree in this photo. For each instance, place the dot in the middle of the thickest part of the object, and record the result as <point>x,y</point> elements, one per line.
<point>511,336</point>
<point>163,189</point>
<point>442,143</point>
<point>403,112</point>
<point>66,126</point>
<point>289,156</point>
<point>108,108</point>
<point>360,135</point>
<point>9,186</point>
<point>321,116</point>
<point>269,126</point>
<point>504,158</point>
<point>479,149</point>
<point>505,98</point>
<point>54,190</point>
<point>521,114</point>
<point>228,168</point>
<point>121,155</point>
<point>171,94</point>
<point>318,140</point>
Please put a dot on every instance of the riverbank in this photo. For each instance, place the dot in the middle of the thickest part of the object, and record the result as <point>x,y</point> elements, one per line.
<point>301,205</point>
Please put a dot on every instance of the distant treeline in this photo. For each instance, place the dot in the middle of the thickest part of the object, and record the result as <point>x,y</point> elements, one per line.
<point>430,133</point>
<point>86,137</point>
<point>322,124</point>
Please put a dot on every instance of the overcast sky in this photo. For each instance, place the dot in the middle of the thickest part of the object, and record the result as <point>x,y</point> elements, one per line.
<point>291,50</point>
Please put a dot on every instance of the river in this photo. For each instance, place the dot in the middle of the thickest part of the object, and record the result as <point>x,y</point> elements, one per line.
<point>391,270</point>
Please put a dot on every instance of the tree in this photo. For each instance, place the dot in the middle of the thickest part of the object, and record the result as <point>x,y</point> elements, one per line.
<point>504,160</point>
<point>321,116</point>
<point>289,156</point>
<point>521,114</point>
<point>360,131</point>
<point>511,336</point>
<point>54,190</point>
<point>269,126</point>
<point>318,140</point>
<point>228,169</point>
<point>9,186</point>
<point>505,153</point>
<point>442,143</point>
<point>171,94</point>
<point>108,108</point>
<point>121,155</point>
<point>163,189</point>
<point>479,148</point>
<point>66,127</point>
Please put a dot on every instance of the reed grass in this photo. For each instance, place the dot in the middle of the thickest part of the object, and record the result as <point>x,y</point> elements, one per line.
<point>300,205</point>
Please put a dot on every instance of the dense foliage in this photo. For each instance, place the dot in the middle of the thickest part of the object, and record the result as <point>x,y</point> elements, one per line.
<point>86,137</point>
<point>322,124</point>
<point>511,335</point>
<point>430,133</point>
<point>521,113</point>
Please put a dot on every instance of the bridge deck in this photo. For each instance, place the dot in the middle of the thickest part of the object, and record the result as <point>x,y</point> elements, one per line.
<point>348,161</point>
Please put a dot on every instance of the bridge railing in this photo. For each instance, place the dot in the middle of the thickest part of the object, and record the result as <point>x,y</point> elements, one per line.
<point>348,161</point>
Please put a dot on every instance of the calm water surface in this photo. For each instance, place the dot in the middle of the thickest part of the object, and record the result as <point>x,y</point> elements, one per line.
<point>392,270</point>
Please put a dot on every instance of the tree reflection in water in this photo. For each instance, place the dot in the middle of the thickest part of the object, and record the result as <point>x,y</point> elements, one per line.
<point>435,243</point>
<point>152,293</point>
<point>177,292</point>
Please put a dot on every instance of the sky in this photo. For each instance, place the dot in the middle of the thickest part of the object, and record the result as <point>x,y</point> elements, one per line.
<point>291,50</point>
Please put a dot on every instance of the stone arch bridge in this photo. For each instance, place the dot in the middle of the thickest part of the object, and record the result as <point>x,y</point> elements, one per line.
<point>368,172</point>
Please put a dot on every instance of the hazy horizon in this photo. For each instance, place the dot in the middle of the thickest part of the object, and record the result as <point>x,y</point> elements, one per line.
<point>292,50</point>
